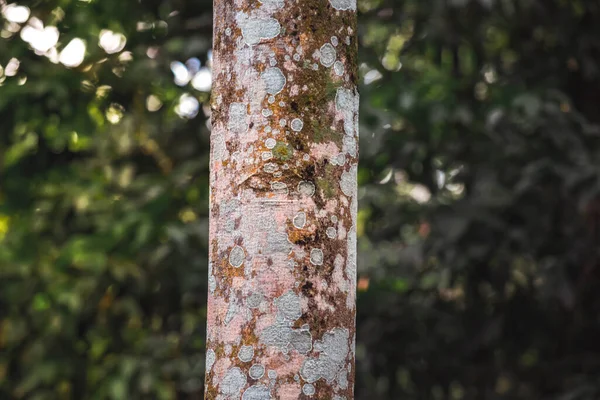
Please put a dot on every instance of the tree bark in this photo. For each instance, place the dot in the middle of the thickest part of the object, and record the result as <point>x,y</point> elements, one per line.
<point>284,154</point>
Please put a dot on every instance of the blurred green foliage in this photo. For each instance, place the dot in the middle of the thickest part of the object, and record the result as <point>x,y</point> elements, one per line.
<point>479,201</point>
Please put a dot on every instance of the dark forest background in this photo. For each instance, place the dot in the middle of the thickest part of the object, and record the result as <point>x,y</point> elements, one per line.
<point>479,222</point>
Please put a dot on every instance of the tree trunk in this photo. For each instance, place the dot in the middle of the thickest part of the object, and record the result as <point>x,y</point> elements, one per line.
<point>282,274</point>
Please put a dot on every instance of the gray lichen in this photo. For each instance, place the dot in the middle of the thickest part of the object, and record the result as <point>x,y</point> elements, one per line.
<point>328,55</point>
<point>279,187</point>
<point>306,188</point>
<point>273,3</point>
<point>348,182</point>
<point>277,242</point>
<point>347,101</point>
<point>210,359</point>
<point>331,232</point>
<point>270,143</point>
<point>236,257</point>
<point>301,340</point>
<point>308,389</point>
<point>246,353</point>
<point>297,124</point>
<point>338,68</point>
<point>254,300</point>
<point>316,257</point>
<point>256,29</point>
<point>343,5</point>
<point>288,306</point>
<point>256,371</point>
<point>299,220</point>
<point>238,118</point>
<point>257,392</point>
<point>274,80</point>
<point>333,351</point>
<point>233,382</point>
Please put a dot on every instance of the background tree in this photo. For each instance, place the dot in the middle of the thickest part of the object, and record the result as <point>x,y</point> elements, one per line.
<point>477,226</point>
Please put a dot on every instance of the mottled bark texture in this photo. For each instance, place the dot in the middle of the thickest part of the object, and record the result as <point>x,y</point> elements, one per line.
<point>281,310</point>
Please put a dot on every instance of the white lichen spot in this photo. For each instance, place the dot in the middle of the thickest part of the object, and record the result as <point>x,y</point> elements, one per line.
<point>281,334</point>
<point>282,122</point>
<point>334,219</point>
<point>277,335</point>
<point>331,232</point>
<point>351,260</point>
<point>211,357</point>
<point>219,150</point>
<point>272,62</point>
<point>256,29</point>
<point>212,281</point>
<point>228,31</point>
<point>272,374</point>
<point>279,187</point>
<point>343,4</point>
<point>338,68</point>
<point>333,351</point>
<point>246,353</point>
<point>257,392</point>
<point>270,168</point>
<point>277,242</point>
<point>288,306</point>
<point>266,155</point>
<point>233,382</point>
<point>236,257</point>
<point>254,300</point>
<point>278,174</point>
<point>348,182</point>
<point>342,379</point>
<point>340,160</point>
<point>299,220</point>
<point>237,118</point>
<point>306,157</point>
<point>346,102</point>
<point>266,112</point>
<point>328,55</point>
<point>274,80</point>
<point>301,341</point>
<point>316,257</point>
<point>273,3</point>
<point>268,129</point>
<point>297,124</point>
<point>306,188</point>
<point>308,389</point>
<point>334,40</point>
<point>349,145</point>
<point>315,66</point>
<point>271,99</point>
<point>256,371</point>
<point>232,309</point>
<point>270,143</point>
<point>296,57</point>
